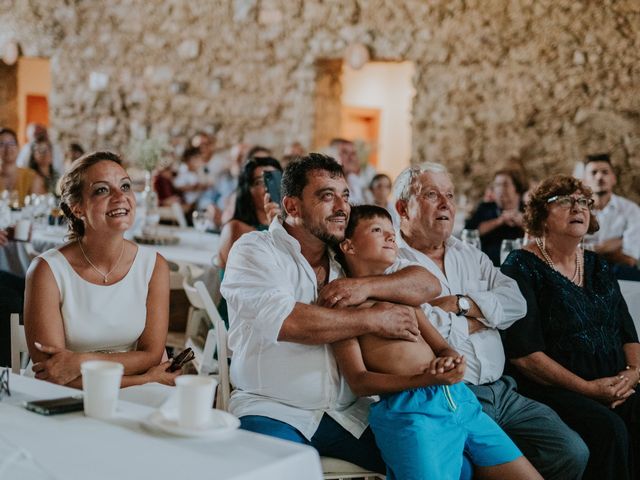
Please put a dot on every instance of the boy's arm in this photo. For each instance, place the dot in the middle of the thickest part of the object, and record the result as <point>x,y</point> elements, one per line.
<point>363,382</point>
<point>431,335</point>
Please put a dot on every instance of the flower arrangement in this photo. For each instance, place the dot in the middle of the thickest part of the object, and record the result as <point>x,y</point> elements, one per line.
<point>148,152</point>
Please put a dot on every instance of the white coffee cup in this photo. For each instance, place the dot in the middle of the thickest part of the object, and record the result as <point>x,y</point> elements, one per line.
<point>101,385</point>
<point>195,400</point>
<point>23,228</point>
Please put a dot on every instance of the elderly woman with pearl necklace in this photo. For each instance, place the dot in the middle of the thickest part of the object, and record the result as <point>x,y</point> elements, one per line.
<point>577,348</point>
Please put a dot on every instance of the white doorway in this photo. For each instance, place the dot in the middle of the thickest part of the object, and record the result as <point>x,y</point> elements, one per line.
<point>379,96</point>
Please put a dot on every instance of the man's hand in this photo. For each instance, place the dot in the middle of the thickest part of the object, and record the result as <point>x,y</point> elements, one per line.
<point>611,245</point>
<point>475,325</point>
<point>448,303</point>
<point>344,292</point>
<point>395,321</point>
<point>4,238</point>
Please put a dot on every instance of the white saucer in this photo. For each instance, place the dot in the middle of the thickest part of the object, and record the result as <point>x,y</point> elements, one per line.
<point>220,424</point>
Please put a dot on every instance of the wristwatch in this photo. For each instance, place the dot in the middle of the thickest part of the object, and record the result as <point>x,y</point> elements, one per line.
<point>463,304</point>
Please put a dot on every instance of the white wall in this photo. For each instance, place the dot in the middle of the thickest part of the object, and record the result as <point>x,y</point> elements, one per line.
<point>389,87</point>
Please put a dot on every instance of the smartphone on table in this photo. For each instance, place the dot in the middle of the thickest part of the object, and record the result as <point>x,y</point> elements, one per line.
<point>272,182</point>
<point>56,405</point>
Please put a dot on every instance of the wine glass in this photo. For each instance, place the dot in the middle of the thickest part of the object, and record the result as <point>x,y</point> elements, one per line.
<point>507,246</point>
<point>199,220</point>
<point>471,237</point>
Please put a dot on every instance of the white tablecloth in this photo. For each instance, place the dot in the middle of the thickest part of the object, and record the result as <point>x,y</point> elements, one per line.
<point>72,446</point>
<point>193,247</point>
<point>631,293</point>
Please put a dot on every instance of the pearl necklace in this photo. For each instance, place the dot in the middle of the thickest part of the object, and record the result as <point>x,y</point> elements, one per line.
<point>577,275</point>
<point>105,276</point>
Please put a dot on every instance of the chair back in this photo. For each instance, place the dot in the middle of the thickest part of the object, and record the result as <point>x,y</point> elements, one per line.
<point>18,343</point>
<point>223,351</point>
<point>176,208</point>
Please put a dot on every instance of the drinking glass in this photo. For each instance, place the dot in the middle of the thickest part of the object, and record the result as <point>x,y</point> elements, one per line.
<point>199,218</point>
<point>508,246</point>
<point>471,237</point>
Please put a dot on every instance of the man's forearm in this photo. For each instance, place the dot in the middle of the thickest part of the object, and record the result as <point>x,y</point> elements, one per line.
<point>410,286</point>
<point>314,325</point>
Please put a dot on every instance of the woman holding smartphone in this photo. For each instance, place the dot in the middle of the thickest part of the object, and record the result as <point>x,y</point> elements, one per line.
<point>98,297</point>
<point>254,210</point>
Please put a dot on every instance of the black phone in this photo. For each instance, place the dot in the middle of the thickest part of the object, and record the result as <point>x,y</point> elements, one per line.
<point>181,360</point>
<point>56,405</point>
<point>272,181</point>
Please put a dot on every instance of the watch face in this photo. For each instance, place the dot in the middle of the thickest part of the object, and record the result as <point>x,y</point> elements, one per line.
<point>464,303</point>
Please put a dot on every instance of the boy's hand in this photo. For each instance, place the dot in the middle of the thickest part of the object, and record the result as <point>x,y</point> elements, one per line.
<point>448,377</point>
<point>444,364</point>
<point>343,292</point>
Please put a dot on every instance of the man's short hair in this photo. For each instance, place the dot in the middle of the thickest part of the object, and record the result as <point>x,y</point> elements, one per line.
<point>364,212</point>
<point>189,153</point>
<point>403,186</point>
<point>296,175</point>
<point>336,142</point>
<point>598,157</point>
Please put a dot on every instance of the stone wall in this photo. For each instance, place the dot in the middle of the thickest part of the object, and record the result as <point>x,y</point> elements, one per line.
<point>537,83</point>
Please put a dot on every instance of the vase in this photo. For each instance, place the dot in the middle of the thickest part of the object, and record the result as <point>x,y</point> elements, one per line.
<point>150,205</point>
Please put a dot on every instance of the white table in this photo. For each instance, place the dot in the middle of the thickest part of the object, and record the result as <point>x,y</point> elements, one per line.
<point>631,293</point>
<point>72,446</point>
<point>194,247</point>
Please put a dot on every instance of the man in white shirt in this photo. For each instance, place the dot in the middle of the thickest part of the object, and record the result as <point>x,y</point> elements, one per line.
<point>477,301</point>
<point>286,380</point>
<point>618,238</point>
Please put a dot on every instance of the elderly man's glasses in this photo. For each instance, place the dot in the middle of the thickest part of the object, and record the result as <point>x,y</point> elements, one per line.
<point>433,196</point>
<point>4,383</point>
<point>567,201</point>
<point>9,144</point>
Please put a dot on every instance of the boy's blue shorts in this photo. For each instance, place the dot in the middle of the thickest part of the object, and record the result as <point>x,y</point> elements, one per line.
<point>423,432</point>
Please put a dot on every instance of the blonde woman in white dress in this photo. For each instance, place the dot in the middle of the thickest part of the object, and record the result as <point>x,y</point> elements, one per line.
<point>98,297</point>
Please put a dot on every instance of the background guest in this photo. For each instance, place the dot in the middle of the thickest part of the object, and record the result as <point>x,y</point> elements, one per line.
<point>189,179</point>
<point>41,161</point>
<point>380,188</point>
<point>618,239</point>
<point>22,181</point>
<point>576,349</point>
<point>99,296</point>
<point>38,132</point>
<point>501,219</point>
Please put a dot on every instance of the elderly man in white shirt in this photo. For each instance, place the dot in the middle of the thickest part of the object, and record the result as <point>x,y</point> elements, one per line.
<point>618,238</point>
<point>286,379</point>
<point>477,301</point>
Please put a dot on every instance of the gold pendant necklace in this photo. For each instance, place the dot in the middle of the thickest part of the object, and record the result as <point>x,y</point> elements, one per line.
<point>105,276</point>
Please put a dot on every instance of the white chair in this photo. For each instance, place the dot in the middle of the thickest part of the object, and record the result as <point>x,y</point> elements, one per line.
<point>178,213</point>
<point>18,343</point>
<point>336,469</point>
<point>224,385</point>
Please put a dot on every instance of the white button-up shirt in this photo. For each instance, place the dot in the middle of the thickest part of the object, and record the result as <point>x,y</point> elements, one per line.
<point>265,276</point>
<point>620,218</point>
<point>470,272</point>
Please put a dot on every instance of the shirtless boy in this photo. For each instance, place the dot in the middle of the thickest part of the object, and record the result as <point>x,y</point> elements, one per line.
<point>426,417</point>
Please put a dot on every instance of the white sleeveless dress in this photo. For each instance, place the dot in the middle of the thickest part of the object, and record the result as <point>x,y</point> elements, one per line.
<point>102,318</point>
